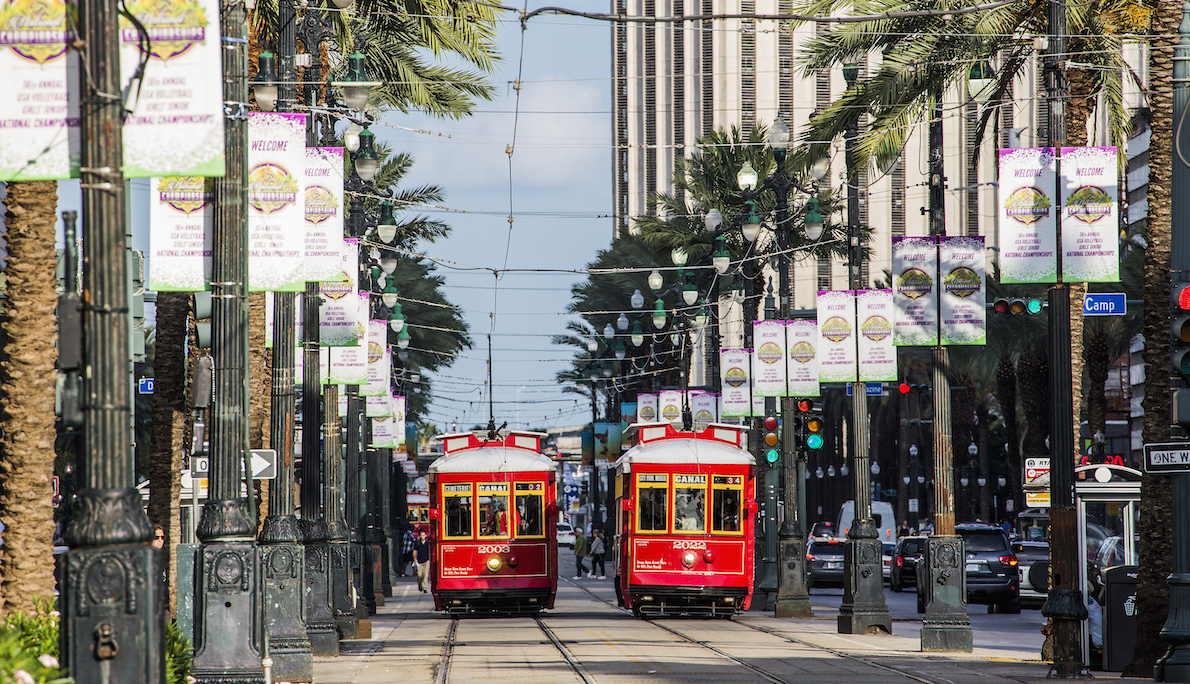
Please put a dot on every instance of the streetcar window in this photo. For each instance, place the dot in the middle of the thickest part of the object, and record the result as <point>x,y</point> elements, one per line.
<point>493,509</point>
<point>690,503</point>
<point>652,491</point>
<point>528,509</point>
<point>725,515</point>
<point>457,519</point>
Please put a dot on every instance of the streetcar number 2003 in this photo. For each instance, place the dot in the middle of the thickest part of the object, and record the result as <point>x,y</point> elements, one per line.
<point>691,544</point>
<point>493,548</point>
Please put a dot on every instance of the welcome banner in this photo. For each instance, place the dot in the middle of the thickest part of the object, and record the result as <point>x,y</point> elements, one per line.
<point>1090,228</point>
<point>276,226</point>
<point>768,359</point>
<point>1028,237</point>
<point>322,196</point>
<point>915,291</point>
<point>704,406</point>
<point>646,407</point>
<point>400,414</point>
<point>836,336</point>
<point>964,292</point>
<point>801,338</point>
<point>338,323</point>
<point>877,354</point>
<point>671,407</point>
<point>181,214</point>
<point>735,370</point>
<point>379,360</point>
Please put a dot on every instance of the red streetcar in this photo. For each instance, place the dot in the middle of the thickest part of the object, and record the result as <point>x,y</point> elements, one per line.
<point>684,522</point>
<point>492,507</point>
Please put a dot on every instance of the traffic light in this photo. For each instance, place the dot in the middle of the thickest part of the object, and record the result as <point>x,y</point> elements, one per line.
<point>907,388</point>
<point>810,424</point>
<point>772,437</point>
<point>1179,350</point>
<point>1017,306</point>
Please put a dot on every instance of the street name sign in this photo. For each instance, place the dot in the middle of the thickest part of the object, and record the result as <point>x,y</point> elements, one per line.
<point>1171,457</point>
<point>871,389</point>
<point>145,386</point>
<point>1104,304</point>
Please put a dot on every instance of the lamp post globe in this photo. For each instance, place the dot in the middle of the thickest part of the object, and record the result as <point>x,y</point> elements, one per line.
<point>608,331</point>
<point>638,300</point>
<point>622,322</point>
<point>712,220</point>
<point>655,280</point>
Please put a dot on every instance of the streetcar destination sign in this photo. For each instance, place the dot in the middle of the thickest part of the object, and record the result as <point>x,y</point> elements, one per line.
<point>1167,458</point>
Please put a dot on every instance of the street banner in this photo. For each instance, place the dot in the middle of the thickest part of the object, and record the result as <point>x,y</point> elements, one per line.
<point>176,123</point>
<point>607,442</point>
<point>963,302</point>
<point>757,406</point>
<point>322,196</point>
<point>400,425</point>
<point>735,368</point>
<point>349,365</point>
<point>378,407</point>
<point>276,227</point>
<point>801,338</point>
<point>1028,237</point>
<point>915,291</point>
<point>877,353</point>
<point>338,325</point>
<point>671,407</point>
<point>730,420</point>
<point>836,336</point>
<point>1090,239</point>
<point>181,216</point>
<point>646,407</point>
<point>379,360</point>
<point>382,433</point>
<point>39,114</point>
<point>704,406</point>
<point>768,359</point>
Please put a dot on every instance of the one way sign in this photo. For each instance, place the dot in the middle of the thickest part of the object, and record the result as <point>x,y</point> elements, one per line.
<point>264,464</point>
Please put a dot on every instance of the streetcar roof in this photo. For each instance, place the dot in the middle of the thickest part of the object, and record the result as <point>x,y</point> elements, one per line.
<point>712,446</point>
<point>494,458</point>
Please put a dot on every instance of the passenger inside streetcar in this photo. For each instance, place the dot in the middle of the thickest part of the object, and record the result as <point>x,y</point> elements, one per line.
<point>689,510</point>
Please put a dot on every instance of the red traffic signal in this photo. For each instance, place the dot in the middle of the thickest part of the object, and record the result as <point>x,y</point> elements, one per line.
<point>905,388</point>
<point>805,405</point>
<point>770,423</point>
<point>1181,296</point>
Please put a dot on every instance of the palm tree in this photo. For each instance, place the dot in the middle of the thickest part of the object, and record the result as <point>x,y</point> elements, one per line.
<point>28,378</point>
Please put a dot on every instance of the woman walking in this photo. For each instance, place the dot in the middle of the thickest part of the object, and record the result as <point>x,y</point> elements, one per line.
<point>598,548</point>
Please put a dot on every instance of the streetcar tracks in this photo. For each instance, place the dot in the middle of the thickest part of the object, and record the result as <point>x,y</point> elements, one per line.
<point>570,659</point>
<point>442,675</point>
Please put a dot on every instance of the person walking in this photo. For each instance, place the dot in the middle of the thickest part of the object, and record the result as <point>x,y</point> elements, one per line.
<point>580,552</point>
<point>598,549</point>
<point>421,560</point>
<point>407,543</point>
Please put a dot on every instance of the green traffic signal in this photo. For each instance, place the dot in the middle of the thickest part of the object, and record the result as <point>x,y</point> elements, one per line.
<point>772,456</point>
<point>814,441</point>
<point>1034,306</point>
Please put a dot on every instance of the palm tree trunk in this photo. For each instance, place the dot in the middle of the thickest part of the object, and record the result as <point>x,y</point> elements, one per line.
<point>28,378</point>
<point>261,382</point>
<point>167,446</point>
<point>1032,373</point>
<point>1152,592</point>
<point>1097,351</point>
<point>1006,397</point>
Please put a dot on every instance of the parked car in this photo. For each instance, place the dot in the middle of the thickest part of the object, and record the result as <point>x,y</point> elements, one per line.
<point>566,535</point>
<point>906,555</point>
<point>823,529</point>
<point>991,569</point>
<point>1033,563</point>
<point>886,560</point>
<point>824,561</point>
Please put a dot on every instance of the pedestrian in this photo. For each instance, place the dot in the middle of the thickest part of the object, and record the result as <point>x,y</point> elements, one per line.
<point>580,552</point>
<point>158,537</point>
<point>407,550</point>
<point>598,548</point>
<point>421,559</point>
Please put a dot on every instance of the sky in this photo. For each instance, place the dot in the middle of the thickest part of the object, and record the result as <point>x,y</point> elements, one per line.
<point>559,187</point>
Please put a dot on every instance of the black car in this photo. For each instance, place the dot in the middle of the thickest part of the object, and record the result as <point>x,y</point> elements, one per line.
<point>824,561</point>
<point>906,556</point>
<point>991,569</point>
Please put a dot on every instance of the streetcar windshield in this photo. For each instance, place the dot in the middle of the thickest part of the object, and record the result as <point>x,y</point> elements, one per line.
<point>493,509</point>
<point>528,509</point>
<point>690,496</point>
<point>726,498</point>
<point>457,506</point>
<point>652,493</point>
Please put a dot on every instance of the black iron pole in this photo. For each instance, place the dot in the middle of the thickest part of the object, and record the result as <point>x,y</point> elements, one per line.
<point>110,631</point>
<point>863,610</point>
<point>228,601</point>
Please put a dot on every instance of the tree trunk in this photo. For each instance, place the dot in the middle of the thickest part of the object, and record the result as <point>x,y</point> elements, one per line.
<point>1006,397</point>
<point>1032,374</point>
<point>260,379</point>
<point>987,511</point>
<point>1097,351</point>
<point>28,378</point>
<point>167,446</point>
<point>1152,592</point>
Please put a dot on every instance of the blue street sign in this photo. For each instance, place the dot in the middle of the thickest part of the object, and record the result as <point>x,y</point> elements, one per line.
<point>145,386</point>
<point>872,389</point>
<point>1104,304</point>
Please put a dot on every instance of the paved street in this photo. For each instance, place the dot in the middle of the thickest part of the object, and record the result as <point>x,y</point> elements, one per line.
<point>586,639</point>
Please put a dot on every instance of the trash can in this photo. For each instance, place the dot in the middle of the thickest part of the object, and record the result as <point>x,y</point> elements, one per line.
<point>1119,616</point>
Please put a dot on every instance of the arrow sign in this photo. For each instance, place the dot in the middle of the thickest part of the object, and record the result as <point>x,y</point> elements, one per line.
<point>1104,304</point>
<point>264,464</point>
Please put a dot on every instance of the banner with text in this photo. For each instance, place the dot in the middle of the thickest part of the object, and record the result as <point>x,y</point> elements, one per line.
<point>349,366</point>
<point>646,407</point>
<point>877,353</point>
<point>1090,239</point>
<point>1028,229</point>
<point>801,338</point>
<point>671,407</point>
<point>963,302</point>
<point>705,407</point>
<point>382,433</point>
<point>176,124</point>
<point>322,197</point>
<point>836,336</point>
<point>378,407</point>
<point>181,214</point>
<point>379,360</point>
<point>276,228</point>
<point>338,325</point>
<point>915,291</point>
<point>735,376</point>
<point>768,359</point>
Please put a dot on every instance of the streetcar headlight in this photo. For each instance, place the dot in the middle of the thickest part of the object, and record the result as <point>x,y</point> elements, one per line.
<point>688,559</point>
<point>494,564</point>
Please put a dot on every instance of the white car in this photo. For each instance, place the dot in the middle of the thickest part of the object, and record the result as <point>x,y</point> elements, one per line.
<point>565,535</point>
